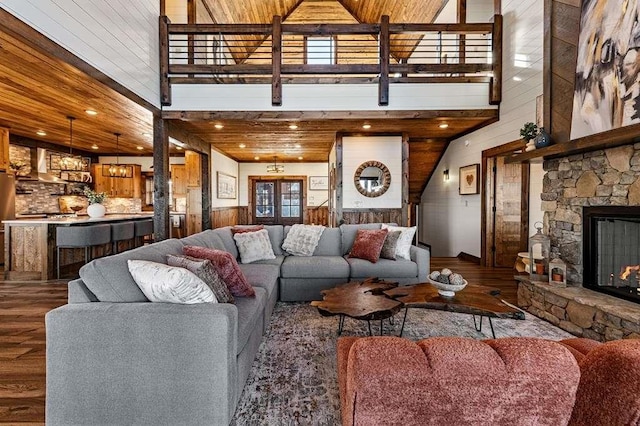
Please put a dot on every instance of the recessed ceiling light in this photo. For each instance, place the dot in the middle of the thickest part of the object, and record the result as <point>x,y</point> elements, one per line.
<point>516,78</point>
<point>179,148</point>
<point>443,126</point>
<point>256,158</point>
<point>298,145</point>
<point>139,148</point>
<point>242,145</point>
<point>94,146</point>
<point>218,126</point>
<point>366,126</point>
<point>147,134</point>
<point>300,158</point>
<point>91,112</point>
<point>293,126</point>
<point>41,133</point>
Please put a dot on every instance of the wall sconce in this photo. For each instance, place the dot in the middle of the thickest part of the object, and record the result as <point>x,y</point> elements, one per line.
<point>445,175</point>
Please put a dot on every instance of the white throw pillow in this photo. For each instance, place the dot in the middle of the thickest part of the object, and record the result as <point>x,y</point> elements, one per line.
<point>169,284</point>
<point>404,242</point>
<point>254,246</point>
<point>302,240</point>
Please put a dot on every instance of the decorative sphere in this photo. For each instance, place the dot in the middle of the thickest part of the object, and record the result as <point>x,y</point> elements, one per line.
<point>443,279</point>
<point>456,279</point>
<point>446,272</point>
<point>434,275</point>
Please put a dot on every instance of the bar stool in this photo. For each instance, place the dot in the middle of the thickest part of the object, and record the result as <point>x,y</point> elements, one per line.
<point>121,231</point>
<point>81,237</point>
<point>143,228</point>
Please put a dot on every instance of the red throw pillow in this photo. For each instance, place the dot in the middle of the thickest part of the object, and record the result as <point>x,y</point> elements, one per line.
<point>243,229</point>
<point>368,244</point>
<point>226,266</point>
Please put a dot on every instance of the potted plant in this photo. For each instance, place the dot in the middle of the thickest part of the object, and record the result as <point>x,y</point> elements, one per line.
<point>528,132</point>
<point>95,208</point>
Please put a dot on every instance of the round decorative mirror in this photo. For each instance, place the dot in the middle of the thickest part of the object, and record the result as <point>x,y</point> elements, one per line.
<point>372,179</point>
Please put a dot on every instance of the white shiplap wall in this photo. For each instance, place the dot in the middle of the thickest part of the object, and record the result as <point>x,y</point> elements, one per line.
<point>358,149</point>
<point>450,223</point>
<point>118,37</point>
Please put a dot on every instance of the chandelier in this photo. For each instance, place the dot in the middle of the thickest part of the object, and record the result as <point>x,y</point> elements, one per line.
<point>116,169</point>
<point>69,162</point>
<point>275,167</point>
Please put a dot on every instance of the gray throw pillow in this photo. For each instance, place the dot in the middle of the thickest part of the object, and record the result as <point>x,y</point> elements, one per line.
<point>204,270</point>
<point>390,244</point>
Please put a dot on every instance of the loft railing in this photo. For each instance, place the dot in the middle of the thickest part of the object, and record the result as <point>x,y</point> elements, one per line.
<point>381,53</point>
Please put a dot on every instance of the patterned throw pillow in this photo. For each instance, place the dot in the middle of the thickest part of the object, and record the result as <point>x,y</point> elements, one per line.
<point>164,283</point>
<point>302,240</point>
<point>254,246</point>
<point>226,266</point>
<point>204,270</point>
<point>241,229</point>
<point>403,249</point>
<point>389,246</point>
<point>368,244</point>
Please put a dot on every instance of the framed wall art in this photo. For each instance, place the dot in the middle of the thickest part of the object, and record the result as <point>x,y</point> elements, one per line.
<point>226,185</point>
<point>318,183</point>
<point>469,179</point>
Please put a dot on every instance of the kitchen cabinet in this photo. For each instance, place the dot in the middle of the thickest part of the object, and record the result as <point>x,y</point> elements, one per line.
<point>117,187</point>
<point>179,180</point>
<point>193,166</point>
<point>4,149</point>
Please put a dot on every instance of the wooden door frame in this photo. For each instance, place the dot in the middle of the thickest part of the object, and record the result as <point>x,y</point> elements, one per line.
<point>486,191</point>
<point>252,180</point>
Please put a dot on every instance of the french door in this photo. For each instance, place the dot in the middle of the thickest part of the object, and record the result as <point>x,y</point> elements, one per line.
<point>277,201</point>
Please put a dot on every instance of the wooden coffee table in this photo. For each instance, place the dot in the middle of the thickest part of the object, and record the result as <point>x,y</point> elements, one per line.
<point>359,300</point>
<point>474,299</point>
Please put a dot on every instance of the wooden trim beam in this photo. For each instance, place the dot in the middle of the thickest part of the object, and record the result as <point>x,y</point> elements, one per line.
<point>496,47</point>
<point>330,29</point>
<point>160,179</point>
<point>462,41</point>
<point>276,61</point>
<point>327,80</point>
<point>339,179</point>
<point>475,28</point>
<point>385,49</point>
<point>224,29</point>
<point>165,83</point>
<point>205,185</point>
<point>191,19</point>
<point>405,179</point>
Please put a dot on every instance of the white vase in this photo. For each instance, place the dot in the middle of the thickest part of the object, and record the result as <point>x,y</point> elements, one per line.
<point>96,210</point>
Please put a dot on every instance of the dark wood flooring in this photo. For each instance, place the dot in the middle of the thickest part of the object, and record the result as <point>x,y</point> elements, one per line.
<point>22,335</point>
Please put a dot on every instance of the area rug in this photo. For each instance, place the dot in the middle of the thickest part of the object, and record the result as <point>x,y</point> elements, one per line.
<point>293,380</point>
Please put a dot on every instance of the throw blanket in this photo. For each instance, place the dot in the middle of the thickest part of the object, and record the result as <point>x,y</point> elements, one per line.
<point>302,240</point>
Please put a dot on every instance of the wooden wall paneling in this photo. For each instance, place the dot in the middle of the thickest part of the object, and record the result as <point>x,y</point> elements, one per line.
<point>316,215</point>
<point>225,216</point>
<point>424,155</point>
<point>194,168</point>
<point>194,210</point>
<point>4,149</point>
<point>160,179</point>
<point>355,216</point>
<point>339,180</point>
<point>205,167</point>
<point>405,180</point>
<point>26,250</point>
<point>179,180</point>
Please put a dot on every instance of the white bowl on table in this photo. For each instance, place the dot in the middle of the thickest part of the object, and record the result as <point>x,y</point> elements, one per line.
<point>447,290</point>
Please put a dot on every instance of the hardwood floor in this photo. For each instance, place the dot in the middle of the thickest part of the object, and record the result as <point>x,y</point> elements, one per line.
<point>22,335</point>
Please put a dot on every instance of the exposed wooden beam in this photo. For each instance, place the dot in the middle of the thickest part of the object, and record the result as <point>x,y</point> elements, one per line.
<point>462,42</point>
<point>165,85</point>
<point>161,199</point>
<point>383,83</point>
<point>328,80</point>
<point>496,48</point>
<point>276,61</point>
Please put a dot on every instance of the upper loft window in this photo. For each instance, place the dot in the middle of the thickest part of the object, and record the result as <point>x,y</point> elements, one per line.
<point>320,51</point>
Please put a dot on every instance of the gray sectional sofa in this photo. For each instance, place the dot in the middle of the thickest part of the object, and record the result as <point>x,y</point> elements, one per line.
<point>115,358</point>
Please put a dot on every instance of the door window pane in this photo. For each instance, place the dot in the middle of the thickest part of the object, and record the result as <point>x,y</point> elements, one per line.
<point>265,199</point>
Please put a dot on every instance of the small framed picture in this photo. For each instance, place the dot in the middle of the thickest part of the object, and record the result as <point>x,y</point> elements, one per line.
<point>469,183</point>
<point>318,183</point>
<point>226,186</point>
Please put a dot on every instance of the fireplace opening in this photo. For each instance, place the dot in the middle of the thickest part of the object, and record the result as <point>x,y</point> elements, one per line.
<point>611,242</point>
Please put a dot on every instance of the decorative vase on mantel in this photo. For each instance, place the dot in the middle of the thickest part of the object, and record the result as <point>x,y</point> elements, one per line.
<point>96,210</point>
<point>543,139</point>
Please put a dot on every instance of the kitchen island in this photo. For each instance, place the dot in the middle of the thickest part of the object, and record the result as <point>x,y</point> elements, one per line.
<point>30,245</point>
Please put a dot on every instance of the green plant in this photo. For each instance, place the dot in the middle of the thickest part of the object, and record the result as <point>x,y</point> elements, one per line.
<point>93,196</point>
<point>529,131</point>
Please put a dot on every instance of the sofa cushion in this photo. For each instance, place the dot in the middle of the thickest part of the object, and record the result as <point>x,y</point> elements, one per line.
<point>254,246</point>
<point>227,240</point>
<point>265,276</point>
<point>108,278</point>
<point>204,270</point>
<point>250,313</point>
<point>404,242</point>
<point>315,267</point>
<point>275,262</point>
<point>349,234</point>
<point>330,243</point>
<point>368,244</point>
<point>208,238</point>
<point>302,240</point>
<point>239,229</point>
<point>389,247</point>
<point>169,284</point>
<point>382,268</point>
<point>227,268</point>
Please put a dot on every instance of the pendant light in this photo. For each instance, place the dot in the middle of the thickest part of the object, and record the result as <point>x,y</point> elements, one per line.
<point>70,162</point>
<point>275,167</point>
<point>117,170</point>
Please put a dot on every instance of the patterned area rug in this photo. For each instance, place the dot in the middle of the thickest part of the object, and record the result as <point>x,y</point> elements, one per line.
<point>293,380</point>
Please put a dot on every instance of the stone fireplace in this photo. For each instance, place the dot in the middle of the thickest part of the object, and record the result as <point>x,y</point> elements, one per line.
<point>593,182</point>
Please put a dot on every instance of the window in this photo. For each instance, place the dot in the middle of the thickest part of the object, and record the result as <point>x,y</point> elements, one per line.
<point>320,50</point>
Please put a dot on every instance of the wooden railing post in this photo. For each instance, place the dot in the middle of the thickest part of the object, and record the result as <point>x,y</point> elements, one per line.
<point>165,85</point>
<point>384,41</point>
<point>276,61</point>
<point>495,96</point>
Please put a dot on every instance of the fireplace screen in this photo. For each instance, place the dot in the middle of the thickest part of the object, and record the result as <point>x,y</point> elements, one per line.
<point>612,250</point>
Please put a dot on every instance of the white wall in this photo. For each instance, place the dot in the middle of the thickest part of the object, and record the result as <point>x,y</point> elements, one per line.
<point>314,198</point>
<point>224,164</point>
<point>118,37</point>
<point>146,163</point>
<point>451,222</point>
<point>358,149</point>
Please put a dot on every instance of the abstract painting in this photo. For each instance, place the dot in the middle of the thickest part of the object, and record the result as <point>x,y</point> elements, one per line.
<point>607,94</point>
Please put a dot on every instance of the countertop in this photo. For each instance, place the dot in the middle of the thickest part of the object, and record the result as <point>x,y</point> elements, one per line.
<point>82,219</point>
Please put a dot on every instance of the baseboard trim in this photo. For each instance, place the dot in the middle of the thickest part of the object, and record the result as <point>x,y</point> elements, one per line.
<point>468,257</point>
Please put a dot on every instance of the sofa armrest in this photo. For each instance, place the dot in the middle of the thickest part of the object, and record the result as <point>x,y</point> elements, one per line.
<point>423,258</point>
<point>150,363</point>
